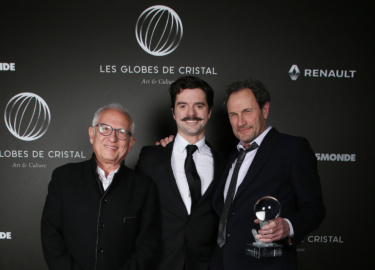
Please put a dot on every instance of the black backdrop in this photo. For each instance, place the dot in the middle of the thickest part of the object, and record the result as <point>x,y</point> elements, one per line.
<point>71,58</point>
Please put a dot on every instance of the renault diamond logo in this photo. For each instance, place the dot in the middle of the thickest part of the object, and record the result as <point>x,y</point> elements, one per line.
<point>159,30</point>
<point>27,116</point>
<point>294,72</point>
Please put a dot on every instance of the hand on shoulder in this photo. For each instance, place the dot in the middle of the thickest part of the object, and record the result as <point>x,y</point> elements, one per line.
<point>165,141</point>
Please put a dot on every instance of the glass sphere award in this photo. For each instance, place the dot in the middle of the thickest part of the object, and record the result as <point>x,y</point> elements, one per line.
<point>266,209</point>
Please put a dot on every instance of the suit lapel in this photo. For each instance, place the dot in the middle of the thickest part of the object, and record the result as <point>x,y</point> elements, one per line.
<point>263,153</point>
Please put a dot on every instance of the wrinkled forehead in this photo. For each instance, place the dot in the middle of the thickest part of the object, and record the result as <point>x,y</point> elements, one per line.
<point>241,100</point>
<point>115,118</point>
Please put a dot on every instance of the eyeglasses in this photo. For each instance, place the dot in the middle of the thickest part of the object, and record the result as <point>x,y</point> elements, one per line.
<point>106,130</point>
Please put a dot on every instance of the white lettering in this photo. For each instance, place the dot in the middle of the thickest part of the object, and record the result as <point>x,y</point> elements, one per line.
<point>169,70</point>
<point>165,81</point>
<point>39,154</point>
<point>5,235</point>
<point>139,69</point>
<point>7,67</point>
<point>197,70</point>
<point>319,73</point>
<point>37,165</point>
<point>66,154</point>
<point>336,157</point>
<point>14,153</point>
<point>108,69</point>
<point>325,239</point>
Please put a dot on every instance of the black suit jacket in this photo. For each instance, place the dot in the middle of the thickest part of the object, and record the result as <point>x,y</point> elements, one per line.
<point>284,167</point>
<point>187,240</point>
<point>84,227</point>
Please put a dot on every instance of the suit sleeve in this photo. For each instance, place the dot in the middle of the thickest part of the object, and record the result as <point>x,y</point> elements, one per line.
<point>148,238</point>
<point>306,183</point>
<point>140,167</point>
<point>55,251</point>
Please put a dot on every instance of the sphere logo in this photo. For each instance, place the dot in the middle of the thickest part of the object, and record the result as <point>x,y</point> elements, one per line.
<point>159,30</point>
<point>27,116</point>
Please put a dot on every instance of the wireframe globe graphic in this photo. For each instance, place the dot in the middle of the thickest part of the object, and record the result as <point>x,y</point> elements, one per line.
<point>159,30</point>
<point>27,116</point>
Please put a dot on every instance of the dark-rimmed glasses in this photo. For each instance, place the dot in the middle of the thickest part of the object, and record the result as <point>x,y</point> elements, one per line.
<point>106,130</point>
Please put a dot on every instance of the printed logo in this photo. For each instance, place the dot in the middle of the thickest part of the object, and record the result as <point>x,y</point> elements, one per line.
<point>331,239</point>
<point>7,67</point>
<point>294,72</point>
<point>27,116</point>
<point>159,30</point>
<point>5,235</point>
<point>336,157</point>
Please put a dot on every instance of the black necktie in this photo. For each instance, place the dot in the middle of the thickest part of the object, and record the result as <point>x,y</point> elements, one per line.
<point>221,239</point>
<point>192,175</point>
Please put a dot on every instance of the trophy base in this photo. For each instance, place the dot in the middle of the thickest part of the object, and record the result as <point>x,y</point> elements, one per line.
<point>264,250</point>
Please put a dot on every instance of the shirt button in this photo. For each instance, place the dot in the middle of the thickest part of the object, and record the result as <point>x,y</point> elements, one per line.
<point>100,250</point>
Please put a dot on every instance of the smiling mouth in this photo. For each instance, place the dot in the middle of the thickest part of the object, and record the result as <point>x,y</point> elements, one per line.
<point>244,129</point>
<point>111,147</point>
<point>191,120</point>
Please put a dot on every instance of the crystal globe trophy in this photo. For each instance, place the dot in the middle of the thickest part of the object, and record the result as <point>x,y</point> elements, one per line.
<point>266,209</point>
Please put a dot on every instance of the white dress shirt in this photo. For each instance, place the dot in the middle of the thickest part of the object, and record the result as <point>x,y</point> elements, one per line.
<point>106,181</point>
<point>245,164</point>
<point>204,162</point>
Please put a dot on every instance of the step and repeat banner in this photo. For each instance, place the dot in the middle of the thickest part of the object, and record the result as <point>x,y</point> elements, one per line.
<point>59,62</point>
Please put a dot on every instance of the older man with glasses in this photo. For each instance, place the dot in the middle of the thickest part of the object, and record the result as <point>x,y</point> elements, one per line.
<point>99,214</point>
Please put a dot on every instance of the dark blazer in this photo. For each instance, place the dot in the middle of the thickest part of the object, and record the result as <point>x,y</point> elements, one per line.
<point>84,227</point>
<point>186,239</point>
<point>284,167</point>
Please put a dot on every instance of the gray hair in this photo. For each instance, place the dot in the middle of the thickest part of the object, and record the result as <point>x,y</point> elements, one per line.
<point>113,106</point>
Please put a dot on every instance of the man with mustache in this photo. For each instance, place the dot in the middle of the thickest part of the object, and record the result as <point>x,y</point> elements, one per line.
<point>186,173</point>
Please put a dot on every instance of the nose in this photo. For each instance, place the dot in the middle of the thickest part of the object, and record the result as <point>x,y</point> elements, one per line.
<point>241,120</point>
<point>112,136</point>
<point>191,111</point>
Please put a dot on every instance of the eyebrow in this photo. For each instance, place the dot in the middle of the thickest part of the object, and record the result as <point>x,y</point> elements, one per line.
<point>243,110</point>
<point>196,103</point>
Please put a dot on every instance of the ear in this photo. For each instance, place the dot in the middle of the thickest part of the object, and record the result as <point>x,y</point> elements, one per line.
<point>131,143</point>
<point>91,134</point>
<point>174,117</point>
<point>209,113</point>
<point>266,110</point>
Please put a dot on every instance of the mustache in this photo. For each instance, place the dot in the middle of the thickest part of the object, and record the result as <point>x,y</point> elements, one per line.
<point>192,119</point>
